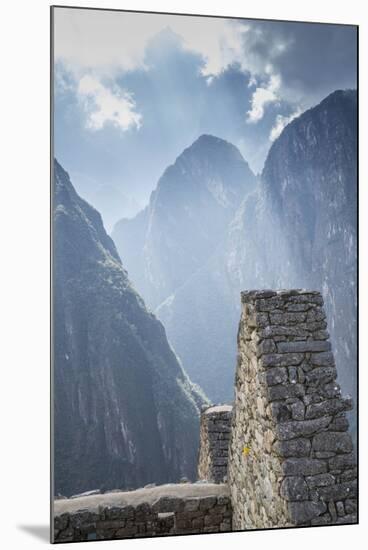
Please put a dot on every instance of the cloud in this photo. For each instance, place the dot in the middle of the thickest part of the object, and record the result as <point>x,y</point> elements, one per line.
<point>312,59</point>
<point>218,41</point>
<point>169,74</point>
<point>102,41</point>
<point>262,96</point>
<point>107,41</point>
<point>281,122</point>
<point>104,105</point>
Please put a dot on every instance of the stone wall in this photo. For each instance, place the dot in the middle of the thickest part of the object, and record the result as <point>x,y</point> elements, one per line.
<point>291,458</point>
<point>214,443</point>
<point>163,510</point>
<point>283,449</point>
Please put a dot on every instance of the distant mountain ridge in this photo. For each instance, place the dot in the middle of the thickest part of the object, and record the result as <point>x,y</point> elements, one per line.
<point>295,228</point>
<point>125,412</point>
<point>170,239</point>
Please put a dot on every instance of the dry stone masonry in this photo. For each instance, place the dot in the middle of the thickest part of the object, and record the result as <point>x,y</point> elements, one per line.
<point>291,458</point>
<point>282,456</point>
<point>214,443</point>
<point>147,512</point>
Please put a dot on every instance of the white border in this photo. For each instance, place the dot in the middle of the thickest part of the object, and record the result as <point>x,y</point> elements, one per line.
<point>24,219</point>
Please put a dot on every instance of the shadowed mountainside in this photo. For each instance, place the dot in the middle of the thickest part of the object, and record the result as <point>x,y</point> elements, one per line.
<point>125,412</point>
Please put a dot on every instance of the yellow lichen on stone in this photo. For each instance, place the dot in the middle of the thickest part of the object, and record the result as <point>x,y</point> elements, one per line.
<point>246,450</point>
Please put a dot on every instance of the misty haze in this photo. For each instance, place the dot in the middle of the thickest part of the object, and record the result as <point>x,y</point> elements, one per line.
<point>186,171</point>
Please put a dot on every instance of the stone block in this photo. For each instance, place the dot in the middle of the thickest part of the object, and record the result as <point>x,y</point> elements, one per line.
<point>311,298</point>
<point>320,480</point>
<point>323,359</point>
<point>168,504</point>
<point>249,296</point>
<point>339,491</point>
<point>328,407</point>
<point>304,466</point>
<point>258,320</point>
<point>321,375</point>
<point>281,359</point>
<point>268,304</point>
<point>281,411</point>
<point>315,315</point>
<point>183,524</point>
<point>300,428</point>
<point>294,488</point>
<point>303,346</point>
<point>348,475</point>
<point>339,442</point>
<point>321,335</point>
<point>61,522</point>
<point>285,391</point>
<point>143,509</point>
<point>219,461</point>
<point>191,504</point>
<point>351,506</point>
<point>274,331</point>
<point>297,410</point>
<point>223,500</point>
<point>304,512</point>
<point>342,462</point>
<point>197,523</point>
<point>323,454</point>
<point>339,424</point>
<point>305,306</point>
<point>287,318</point>
<point>293,448</point>
<point>116,512</point>
<point>213,519</point>
<point>207,503</point>
<point>276,375</point>
<point>267,346</point>
<point>218,427</point>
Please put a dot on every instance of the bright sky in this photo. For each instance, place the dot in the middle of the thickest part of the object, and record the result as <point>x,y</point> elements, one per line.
<point>133,89</point>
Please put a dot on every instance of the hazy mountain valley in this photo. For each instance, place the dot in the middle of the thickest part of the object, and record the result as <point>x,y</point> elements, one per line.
<point>126,403</point>
<point>294,227</point>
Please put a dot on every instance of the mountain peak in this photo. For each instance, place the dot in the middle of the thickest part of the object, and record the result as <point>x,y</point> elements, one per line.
<point>187,217</point>
<point>334,119</point>
<point>209,138</point>
<point>212,145</point>
<point>69,205</point>
<point>347,94</point>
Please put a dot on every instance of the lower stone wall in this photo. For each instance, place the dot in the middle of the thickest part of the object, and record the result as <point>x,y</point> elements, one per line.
<point>163,510</point>
<point>214,443</point>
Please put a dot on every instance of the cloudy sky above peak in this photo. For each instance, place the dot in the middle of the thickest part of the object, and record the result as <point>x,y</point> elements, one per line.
<point>132,90</point>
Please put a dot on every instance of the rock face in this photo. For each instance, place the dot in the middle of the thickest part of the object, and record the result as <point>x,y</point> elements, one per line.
<point>310,178</point>
<point>125,412</point>
<point>290,455</point>
<point>297,229</point>
<point>186,219</point>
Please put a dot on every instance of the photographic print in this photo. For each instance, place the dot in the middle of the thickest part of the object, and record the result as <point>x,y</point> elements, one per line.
<point>204,274</point>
